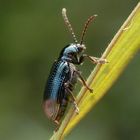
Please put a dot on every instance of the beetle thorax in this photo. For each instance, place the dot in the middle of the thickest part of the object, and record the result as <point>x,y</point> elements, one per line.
<point>72,52</point>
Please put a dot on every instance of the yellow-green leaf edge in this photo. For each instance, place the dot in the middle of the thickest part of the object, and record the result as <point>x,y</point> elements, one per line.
<point>120,51</point>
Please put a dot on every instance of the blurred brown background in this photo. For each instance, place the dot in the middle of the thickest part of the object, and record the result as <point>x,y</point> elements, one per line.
<point>32,33</point>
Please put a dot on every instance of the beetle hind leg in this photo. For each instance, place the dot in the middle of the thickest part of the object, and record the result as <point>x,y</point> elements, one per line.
<point>72,97</point>
<point>61,112</point>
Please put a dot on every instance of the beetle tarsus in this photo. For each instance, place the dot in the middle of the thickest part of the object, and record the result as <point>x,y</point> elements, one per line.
<point>56,129</point>
<point>90,90</point>
<point>99,60</point>
<point>56,122</point>
<point>76,107</point>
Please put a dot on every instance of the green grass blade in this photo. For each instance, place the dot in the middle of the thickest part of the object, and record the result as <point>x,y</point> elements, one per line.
<point>120,51</point>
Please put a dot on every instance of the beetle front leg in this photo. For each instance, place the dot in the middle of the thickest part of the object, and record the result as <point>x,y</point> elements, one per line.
<point>72,97</point>
<point>83,81</point>
<point>96,60</point>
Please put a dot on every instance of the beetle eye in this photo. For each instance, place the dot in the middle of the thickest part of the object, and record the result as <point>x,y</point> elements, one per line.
<point>71,53</point>
<point>80,49</point>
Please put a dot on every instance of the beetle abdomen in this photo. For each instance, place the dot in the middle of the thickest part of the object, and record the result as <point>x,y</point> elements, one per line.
<point>51,108</point>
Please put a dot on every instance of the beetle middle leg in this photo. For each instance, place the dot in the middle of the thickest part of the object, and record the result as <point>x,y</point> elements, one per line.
<point>72,97</point>
<point>83,81</point>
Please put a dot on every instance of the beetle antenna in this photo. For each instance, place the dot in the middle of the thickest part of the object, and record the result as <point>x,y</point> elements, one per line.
<point>66,20</point>
<point>86,26</point>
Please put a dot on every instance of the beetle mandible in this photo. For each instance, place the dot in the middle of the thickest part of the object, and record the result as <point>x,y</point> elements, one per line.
<point>64,75</point>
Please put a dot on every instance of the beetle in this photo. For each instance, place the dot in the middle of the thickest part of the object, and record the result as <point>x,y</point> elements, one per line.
<point>64,75</point>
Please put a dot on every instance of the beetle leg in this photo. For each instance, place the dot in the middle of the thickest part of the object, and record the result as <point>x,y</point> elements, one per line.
<point>83,81</point>
<point>61,112</point>
<point>74,101</point>
<point>72,97</point>
<point>57,125</point>
<point>96,60</point>
<point>76,107</point>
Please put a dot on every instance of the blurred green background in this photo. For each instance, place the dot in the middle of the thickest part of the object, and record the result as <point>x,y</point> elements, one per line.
<point>32,33</point>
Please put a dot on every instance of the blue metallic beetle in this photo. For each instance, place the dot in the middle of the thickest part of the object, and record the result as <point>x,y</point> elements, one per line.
<point>63,75</point>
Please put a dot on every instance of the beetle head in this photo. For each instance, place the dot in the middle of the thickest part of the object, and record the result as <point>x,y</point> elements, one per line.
<point>72,52</point>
